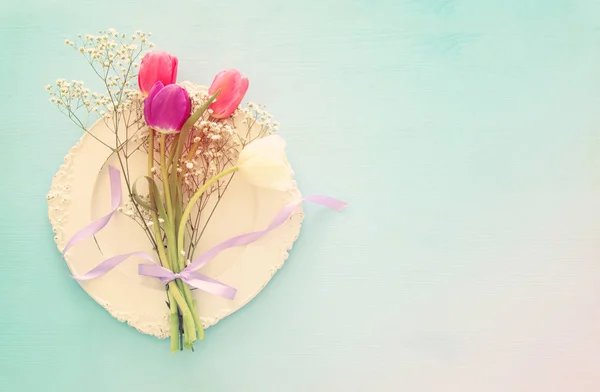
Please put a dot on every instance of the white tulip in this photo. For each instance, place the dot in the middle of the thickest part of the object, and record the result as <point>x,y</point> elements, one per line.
<point>263,163</point>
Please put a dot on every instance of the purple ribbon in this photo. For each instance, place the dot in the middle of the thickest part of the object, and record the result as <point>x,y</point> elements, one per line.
<point>188,274</point>
<point>97,225</point>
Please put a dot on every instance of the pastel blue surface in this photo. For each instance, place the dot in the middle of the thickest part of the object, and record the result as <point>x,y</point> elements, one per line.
<point>464,133</point>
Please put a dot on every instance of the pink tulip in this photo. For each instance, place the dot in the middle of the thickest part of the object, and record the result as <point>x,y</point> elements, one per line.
<point>167,108</point>
<point>157,66</point>
<point>233,86</point>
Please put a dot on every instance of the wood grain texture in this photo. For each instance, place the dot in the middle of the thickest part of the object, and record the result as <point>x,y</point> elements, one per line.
<point>464,133</point>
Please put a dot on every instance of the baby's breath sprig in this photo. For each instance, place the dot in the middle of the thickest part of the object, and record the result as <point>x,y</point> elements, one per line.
<point>258,123</point>
<point>114,58</point>
<point>71,97</point>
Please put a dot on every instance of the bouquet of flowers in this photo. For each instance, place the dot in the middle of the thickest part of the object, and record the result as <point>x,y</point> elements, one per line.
<point>192,155</point>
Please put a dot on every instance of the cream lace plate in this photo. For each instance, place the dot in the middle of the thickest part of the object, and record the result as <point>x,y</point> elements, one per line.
<point>80,193</point>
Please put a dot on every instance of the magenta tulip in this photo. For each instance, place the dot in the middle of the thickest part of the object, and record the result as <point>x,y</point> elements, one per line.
<point>233,86</point>
<point>157,66</point>
<point>167,108</point>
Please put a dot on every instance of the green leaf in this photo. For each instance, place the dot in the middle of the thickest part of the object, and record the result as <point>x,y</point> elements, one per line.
<point>158,204</point>
<point>191,121</point>
<point>138,199</point>
<point>178,207</point>
<point>174,185</point>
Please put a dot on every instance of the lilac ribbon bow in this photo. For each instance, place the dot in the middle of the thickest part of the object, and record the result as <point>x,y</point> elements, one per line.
<point>188,274</point>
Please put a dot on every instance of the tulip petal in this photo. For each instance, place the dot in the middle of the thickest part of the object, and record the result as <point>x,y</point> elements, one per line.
<point>157,66</point>
<point>237,94</point>
<point>224,80</point>
<point>148,103</point>
<point>170,108</point>
<point>233,86</point>
<point>174,66</point>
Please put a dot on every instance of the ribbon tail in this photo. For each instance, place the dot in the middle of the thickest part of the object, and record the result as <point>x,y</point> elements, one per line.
<point>244,239</point>
<point>327,201</point>
<point>109,264</point>
<point>209,285</point>
<point>99,224</point>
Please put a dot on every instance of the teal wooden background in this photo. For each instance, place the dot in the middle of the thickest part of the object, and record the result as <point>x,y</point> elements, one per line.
<point>466,135</point>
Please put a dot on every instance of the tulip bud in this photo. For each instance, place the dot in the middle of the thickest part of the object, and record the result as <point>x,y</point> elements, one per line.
<point>157,66</point>
<point>263,163</point>
<point>167,108</point>
<point>233,86</point>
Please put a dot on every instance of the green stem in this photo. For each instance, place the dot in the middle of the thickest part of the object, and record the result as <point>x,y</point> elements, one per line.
<point>199,327</point>
<point>189,330</point>
<point>176,201</point>
<point>190,206</point>
<point>180,239</point>
<point>186,303</point>
<point>171,159</point>
<point>165,179</point>
<point>160,248</point>
<point>189,299</point>
<point>174,186</point>
<point>173,257</point>
<point>181,291</point>
<point>174,322</point>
